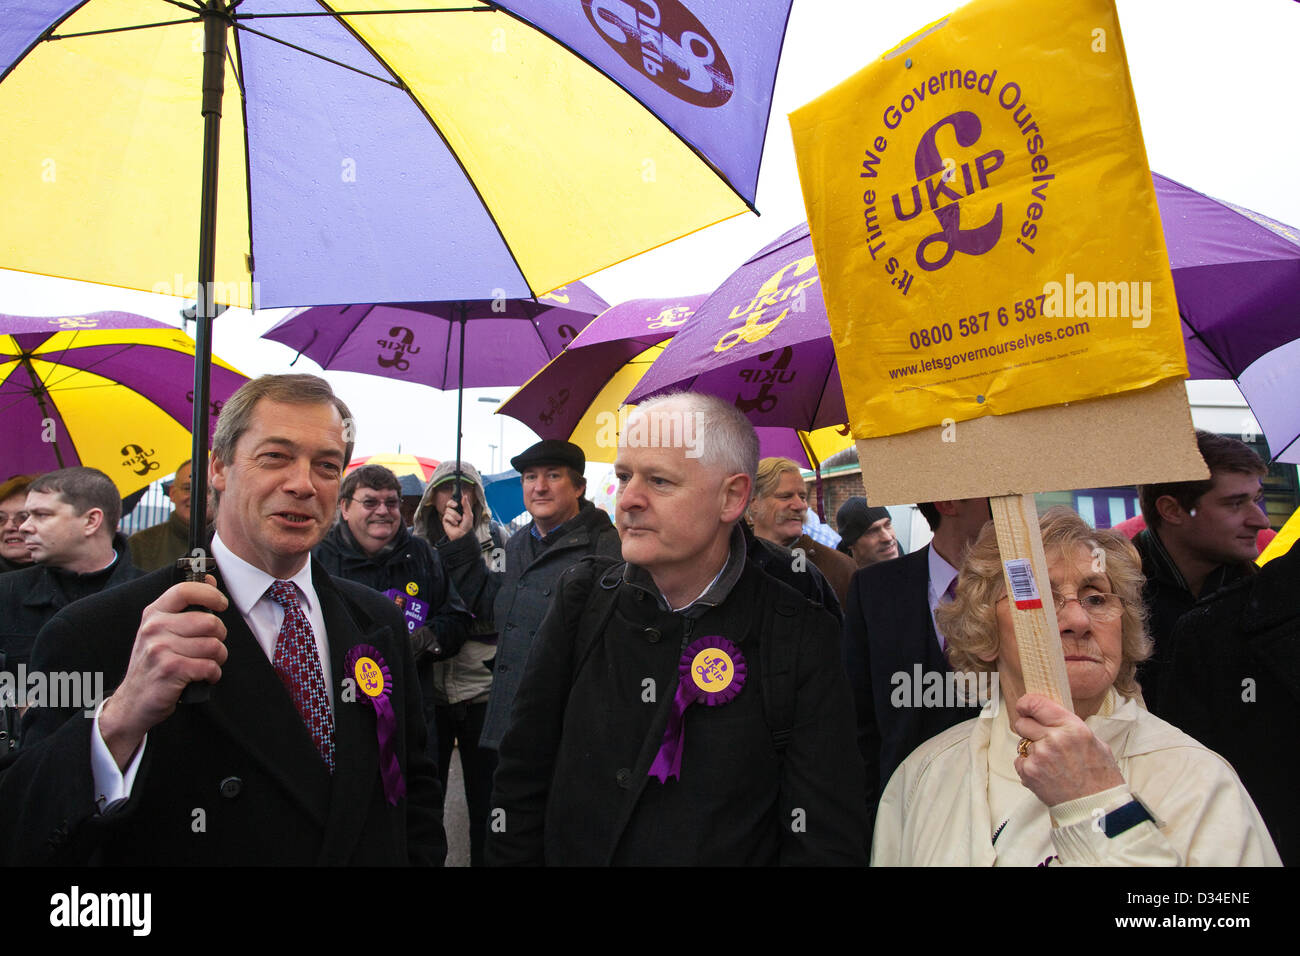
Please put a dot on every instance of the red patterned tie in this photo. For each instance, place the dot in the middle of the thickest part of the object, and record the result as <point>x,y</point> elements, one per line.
<point>298,664</point>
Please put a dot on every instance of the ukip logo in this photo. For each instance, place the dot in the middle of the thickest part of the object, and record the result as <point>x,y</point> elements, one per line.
<point>664,41</point>
<point>400,343</point>
<point>942,199</point>
<point>137,459</point>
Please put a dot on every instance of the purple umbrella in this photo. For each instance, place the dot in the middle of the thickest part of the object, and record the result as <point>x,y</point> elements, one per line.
<point>507,340</point>
<point>555,399</point>
<point>1237,276</point>
<point>761,341</point>
<point>608,355</point>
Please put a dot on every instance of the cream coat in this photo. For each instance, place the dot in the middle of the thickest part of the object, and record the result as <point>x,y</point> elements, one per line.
<point>935,810</point>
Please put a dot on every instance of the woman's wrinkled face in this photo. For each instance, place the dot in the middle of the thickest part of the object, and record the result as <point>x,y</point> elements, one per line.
<point>1090,618</point>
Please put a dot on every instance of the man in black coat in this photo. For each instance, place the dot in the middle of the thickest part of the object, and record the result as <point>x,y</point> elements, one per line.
<point>71,532</point>
<point>565,528</point>
<point>1234,685</point>
<point>890,642</point>
<point>1200,537</point>
<point>284,764</point>
<point>682,708</point>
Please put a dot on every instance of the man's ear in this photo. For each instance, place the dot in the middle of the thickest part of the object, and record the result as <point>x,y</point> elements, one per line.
<point>217,474</point>
<point>1170,511</point>
<point>736,490</point>
<point>947,507</point>
<point>94,520</point>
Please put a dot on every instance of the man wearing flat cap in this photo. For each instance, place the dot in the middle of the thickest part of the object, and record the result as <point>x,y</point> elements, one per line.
<point>866,532</point>
<point>565,528</point>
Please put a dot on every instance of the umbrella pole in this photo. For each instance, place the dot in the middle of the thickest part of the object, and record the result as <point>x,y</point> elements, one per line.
<point>39,391</point>
<point>214,55</point>
<point>460,397</point>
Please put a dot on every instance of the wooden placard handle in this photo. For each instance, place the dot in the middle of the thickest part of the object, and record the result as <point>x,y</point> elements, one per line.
<point>1029,594</point>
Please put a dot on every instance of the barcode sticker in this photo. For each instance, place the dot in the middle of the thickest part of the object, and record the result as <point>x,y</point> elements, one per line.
<point>1024,591</point>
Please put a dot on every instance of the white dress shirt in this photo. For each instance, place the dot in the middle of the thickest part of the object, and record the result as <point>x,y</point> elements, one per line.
<point>247,588</point>
<point>942,574</point>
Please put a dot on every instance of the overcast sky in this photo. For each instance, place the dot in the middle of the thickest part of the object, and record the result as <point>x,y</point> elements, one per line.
<point>1215,86</point>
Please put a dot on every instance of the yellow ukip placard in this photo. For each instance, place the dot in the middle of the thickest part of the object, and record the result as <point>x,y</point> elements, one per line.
<point>985,223</point>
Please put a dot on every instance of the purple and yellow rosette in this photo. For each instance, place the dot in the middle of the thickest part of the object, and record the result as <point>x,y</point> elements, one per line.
<point>711,672</point>
<point>375,681</point>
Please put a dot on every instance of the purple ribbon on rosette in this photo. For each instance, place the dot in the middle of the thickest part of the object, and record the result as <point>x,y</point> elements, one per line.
<point>712,672</point>
<point>375,682</point>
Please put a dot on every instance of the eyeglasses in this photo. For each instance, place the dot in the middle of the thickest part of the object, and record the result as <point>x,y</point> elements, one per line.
<point>374,504</point>
<point>18,517</point>
<point>1100,608</point>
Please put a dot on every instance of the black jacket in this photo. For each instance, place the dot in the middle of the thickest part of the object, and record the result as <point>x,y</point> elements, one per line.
<point>590,717</point>
<point>795,570</point>
<point>1234,685</point>
<point>410,565</point>
<point>1167,599</point>
<point>888,632</point>
<point>521,594</point>
<point>31,596</point>
<point>236,780</point>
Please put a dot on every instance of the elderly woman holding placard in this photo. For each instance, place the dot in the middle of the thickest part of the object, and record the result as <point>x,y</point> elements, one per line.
<point>1030,783</point>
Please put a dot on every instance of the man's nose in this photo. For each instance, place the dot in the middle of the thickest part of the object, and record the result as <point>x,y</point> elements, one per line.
<point>631,496</point>
<point>1258,517</point>
<point>298,477</point>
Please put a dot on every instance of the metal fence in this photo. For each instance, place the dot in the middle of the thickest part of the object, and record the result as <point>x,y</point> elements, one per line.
<point>153,507</point>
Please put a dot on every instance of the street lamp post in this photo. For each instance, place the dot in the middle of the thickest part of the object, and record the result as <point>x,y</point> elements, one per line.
<point>498,458</point>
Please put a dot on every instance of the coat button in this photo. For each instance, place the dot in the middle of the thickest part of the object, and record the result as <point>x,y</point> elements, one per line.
<point>622,777</point>
<point>546,592</point>
<point>652,635</point>
<point>231,787</point>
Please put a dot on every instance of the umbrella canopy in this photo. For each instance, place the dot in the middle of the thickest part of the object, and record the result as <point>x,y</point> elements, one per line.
<point>506,340</point>
<point>577,396</point>
<point>399,464</point>
<point>110,390</point>
<point>1237,275</point>
<point>437,151</point>
<point>761,341</point>
<point>442,150</point>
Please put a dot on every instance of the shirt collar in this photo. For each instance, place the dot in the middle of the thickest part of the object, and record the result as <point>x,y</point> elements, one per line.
<point>941,575</point>
<point>247,584</point>
<point>714,594</point>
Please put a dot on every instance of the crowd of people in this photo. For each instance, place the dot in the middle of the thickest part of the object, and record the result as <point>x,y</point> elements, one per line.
<point>692,681</point>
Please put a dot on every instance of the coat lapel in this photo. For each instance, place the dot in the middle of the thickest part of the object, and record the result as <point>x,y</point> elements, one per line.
<point>356,743</point>
<point>251,705</point>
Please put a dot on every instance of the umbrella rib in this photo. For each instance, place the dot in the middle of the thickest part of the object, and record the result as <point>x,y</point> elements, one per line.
<point>293,46</point>
<point>487,210</point>
<point>138,26</point>
<point>490,8</point>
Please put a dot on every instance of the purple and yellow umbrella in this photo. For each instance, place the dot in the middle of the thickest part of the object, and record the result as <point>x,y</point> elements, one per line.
<point>110,390</point>
<point>761,341</point>
<point>581,394</point>
<point>443,150</point>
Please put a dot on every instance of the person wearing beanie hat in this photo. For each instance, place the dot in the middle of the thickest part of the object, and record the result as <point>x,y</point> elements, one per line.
<point>462,685</point>
<point>866,532</point>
